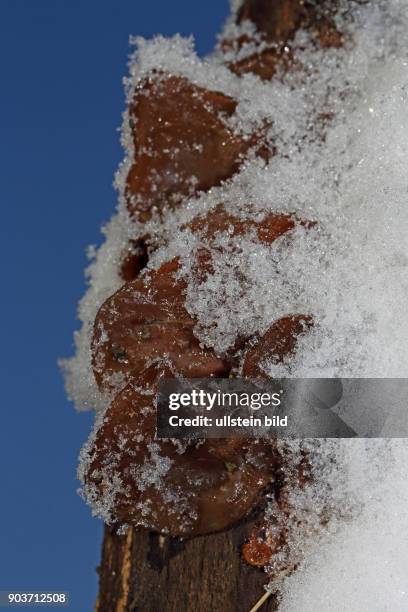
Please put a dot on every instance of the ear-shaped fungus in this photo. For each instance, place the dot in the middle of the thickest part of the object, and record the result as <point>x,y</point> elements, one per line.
<point>182,141</point>
<point>152,483</point>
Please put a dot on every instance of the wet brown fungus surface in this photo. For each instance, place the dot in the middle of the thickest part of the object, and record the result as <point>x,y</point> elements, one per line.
<point>183,143</point>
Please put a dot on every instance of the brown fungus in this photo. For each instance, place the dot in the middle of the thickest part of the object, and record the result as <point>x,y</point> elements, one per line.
<point>183,143</point>
<point>181,493</point>
<point>276,23</point>
<point>276,344</point>
<point>144,321</point>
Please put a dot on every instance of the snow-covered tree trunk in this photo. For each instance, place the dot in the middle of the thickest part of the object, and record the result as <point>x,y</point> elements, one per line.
<point>145,571</point>
<point>260,233</point>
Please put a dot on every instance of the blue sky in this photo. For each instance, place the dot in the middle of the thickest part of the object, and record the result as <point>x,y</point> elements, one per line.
<point>62,62</point>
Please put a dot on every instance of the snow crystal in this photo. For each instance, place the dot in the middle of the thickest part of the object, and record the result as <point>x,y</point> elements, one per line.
<point>153,470</point>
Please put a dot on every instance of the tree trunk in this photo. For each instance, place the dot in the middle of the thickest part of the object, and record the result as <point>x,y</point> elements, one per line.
<point>142,571</point>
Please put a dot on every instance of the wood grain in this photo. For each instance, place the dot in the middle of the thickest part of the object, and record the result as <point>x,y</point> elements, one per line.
<point>145,572</point>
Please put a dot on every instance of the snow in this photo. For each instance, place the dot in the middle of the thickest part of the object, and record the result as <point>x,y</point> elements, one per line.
<point>362,566</point>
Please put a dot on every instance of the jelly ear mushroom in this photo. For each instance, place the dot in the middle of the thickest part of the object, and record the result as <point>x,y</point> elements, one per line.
<point>278,343</point>
<point>264,64</point>
<point>267,545</point>
<point>144,321</point>
<point>180,131</point>
<point>277,22</point>
<point>206,488</point>
<point>268,229</point>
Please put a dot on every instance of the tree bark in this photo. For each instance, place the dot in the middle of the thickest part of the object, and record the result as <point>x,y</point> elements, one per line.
<point>142,571</point>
